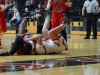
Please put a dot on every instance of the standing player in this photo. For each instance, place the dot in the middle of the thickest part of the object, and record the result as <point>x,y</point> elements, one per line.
<point>59,8</point>
<point>3,7</point>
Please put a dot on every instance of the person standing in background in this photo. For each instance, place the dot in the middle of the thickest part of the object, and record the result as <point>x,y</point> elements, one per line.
<point>3,29</point>
<point>59,8</point>
<point>91,7</point>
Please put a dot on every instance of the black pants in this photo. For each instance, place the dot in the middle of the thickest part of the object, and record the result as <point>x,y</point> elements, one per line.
<point>91,22</point>
<point>14,21</point>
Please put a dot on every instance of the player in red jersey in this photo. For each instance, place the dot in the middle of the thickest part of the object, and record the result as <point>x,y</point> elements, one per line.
<point>59,7</point>
<point>3,7</point>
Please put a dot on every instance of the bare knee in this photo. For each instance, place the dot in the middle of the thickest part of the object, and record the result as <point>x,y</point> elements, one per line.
<point>43,30</point>
<point>21,25</point>
<point>24,22</point>
<point>39,41</point>
<point>50,33</point>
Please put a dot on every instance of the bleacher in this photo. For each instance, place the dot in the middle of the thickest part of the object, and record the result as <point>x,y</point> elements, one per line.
<point>78,23</point>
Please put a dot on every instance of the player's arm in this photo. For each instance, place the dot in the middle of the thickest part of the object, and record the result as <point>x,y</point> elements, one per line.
<point>4,7</point>
<point>49,5</point>
<point>68,3</point>
<point>6,1</point>
<point>23,34</point>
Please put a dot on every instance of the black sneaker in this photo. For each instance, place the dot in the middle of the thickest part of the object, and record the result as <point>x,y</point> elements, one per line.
<point>4,54</point>
<point>94,37</point>
<point>86,37</point>
<point>66,18</point>
<point>65,21</point>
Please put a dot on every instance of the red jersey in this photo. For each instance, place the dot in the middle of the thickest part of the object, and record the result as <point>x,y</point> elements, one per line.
<point>59,6</point>
<point>2,2</point>
<point>2,18</point>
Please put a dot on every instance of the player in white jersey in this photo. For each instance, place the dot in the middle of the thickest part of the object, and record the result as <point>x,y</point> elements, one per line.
<point>54,42</point>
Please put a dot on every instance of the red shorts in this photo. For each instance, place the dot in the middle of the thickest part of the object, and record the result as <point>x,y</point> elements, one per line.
<point>57,19</point>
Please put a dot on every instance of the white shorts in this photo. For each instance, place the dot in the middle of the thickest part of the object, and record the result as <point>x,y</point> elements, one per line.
<point>51,47</point>
<point>33,46</point>
<point>40,49</point>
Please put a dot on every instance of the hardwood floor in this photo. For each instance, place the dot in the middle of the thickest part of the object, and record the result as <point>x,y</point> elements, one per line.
<point>82,58</point>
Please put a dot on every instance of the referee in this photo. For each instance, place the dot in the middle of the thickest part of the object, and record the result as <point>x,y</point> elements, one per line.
<point>91,7</point>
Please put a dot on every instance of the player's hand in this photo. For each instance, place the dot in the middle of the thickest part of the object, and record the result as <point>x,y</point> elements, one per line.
<point>47,9</point>
<point>69,4</point>
<point>6,5</point>
<point>26,39</point>
<point>27,33</point>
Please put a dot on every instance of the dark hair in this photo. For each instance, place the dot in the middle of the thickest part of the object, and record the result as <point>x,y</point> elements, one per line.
<point>19,40</point>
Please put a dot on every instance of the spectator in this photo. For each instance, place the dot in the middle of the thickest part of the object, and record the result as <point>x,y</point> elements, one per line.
<point>33,5</point>
<point>28,4</point>
<point>15,17</point>
<point>10,11</point>
<point>38,12</point>
<point>15,4</point>
<point>91,7</point>
<point>24,15</point>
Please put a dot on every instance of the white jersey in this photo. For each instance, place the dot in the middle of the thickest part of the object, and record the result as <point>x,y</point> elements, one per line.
<point>51,47</point>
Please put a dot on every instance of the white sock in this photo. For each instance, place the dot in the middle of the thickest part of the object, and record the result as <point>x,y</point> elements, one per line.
<point>64,25</point>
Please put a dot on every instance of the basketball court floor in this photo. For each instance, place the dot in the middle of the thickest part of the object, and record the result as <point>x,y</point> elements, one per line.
<point>82,58</point>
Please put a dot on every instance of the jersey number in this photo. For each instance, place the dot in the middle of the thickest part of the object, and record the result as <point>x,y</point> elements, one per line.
<point>59,8</point>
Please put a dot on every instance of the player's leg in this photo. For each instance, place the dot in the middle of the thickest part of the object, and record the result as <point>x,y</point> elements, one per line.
<point>46,26</point>
<point>2,29</point>
<point>53,33</point>
<point>22,27</point>
<point>1,35</point>
<point>63,32</point>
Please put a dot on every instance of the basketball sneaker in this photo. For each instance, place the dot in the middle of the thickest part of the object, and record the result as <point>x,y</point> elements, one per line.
<point>65,21</point>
